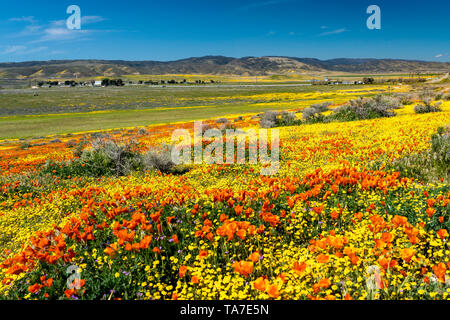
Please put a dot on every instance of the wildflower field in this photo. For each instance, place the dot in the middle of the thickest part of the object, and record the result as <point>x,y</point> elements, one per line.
<point>338,220</point>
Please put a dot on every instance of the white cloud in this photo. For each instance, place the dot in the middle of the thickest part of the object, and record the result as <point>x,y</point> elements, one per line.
<point>61,34</point>
<point>29,19</point>
<point>91,19</point>
<point>56,52</point>
<point>439,55</point>
<point>55,30</point>
<point>37,49</point>
<point>58,23</point>
<point>13,49</point>
<point>22,50</point>
<point>333,32</point>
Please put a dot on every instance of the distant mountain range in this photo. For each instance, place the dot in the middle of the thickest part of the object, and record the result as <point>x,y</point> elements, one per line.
<point>217,65</point>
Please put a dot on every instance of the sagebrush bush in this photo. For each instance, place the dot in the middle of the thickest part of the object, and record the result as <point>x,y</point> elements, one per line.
<point>426,94</point>
<point>427,107</point>
<point>142,132</point>
<point>440,148</point>
<point>105,157</point>
<point>406,99</point>
<point>222,120</point>
<point>159,159</point>
<point>268,119</point>
<point>118,158</point>
<point>25,146</point>
<point>70,144</point>
<point>431,165</point>
<point>314,112</point>
<point>224,126</point>
<point>321,107</point>
<point>367,108</point>
<point>108,157</point>
<point>312,115</point>
<point>79,147</point>
<point>287,118</point>
<point>272,119</point>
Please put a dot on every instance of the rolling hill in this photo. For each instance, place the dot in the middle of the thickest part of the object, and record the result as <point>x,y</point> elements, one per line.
<point>217,65</point>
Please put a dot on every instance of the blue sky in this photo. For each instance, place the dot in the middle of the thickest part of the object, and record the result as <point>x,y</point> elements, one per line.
<point>176,29</point>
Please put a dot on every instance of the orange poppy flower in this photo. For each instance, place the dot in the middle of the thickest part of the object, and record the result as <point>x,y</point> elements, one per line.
<point>334,215</point>
<point>195,280</point>
<point>439,270</point>
<point>322,284</point>
<point>241,233</point>
<point>156,250</point>
<point>348,297</point>
<point>299,267</point>
<point>443,233</point>
<point>34,288</point>
<point>322,258</point>
<point>399,221</point>
<point>238,210</point>
<point>260,284</point>
<point>431,202</point>
<point>175,239</point>
<point>70,292</point>
<point>203,254</point>
<point>407,254</point>
<point>430,211</point>
<point>318,210</point>
<point>145,243</point>
<point>273,291</point>
<point>387,237</point>
<point>182,271</point>
<point>111,250</point>
<point>245,268</point>
<point>254,256</point>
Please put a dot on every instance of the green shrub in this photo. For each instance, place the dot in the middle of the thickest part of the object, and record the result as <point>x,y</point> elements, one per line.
<point>25,146</point>
<point>142,132</point>
<point>161,159</point>
<point>366,108</point>
<point>271,119</point>
<point>105,158</point>
<point>427,107</point>
<point>108,157</point>
<point>314,114</point>
<point>405,99</point>
<point>431,165</point>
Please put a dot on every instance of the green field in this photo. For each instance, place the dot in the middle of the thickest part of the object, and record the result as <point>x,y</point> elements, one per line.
<point>63,100</point>
<point>68,110</point>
